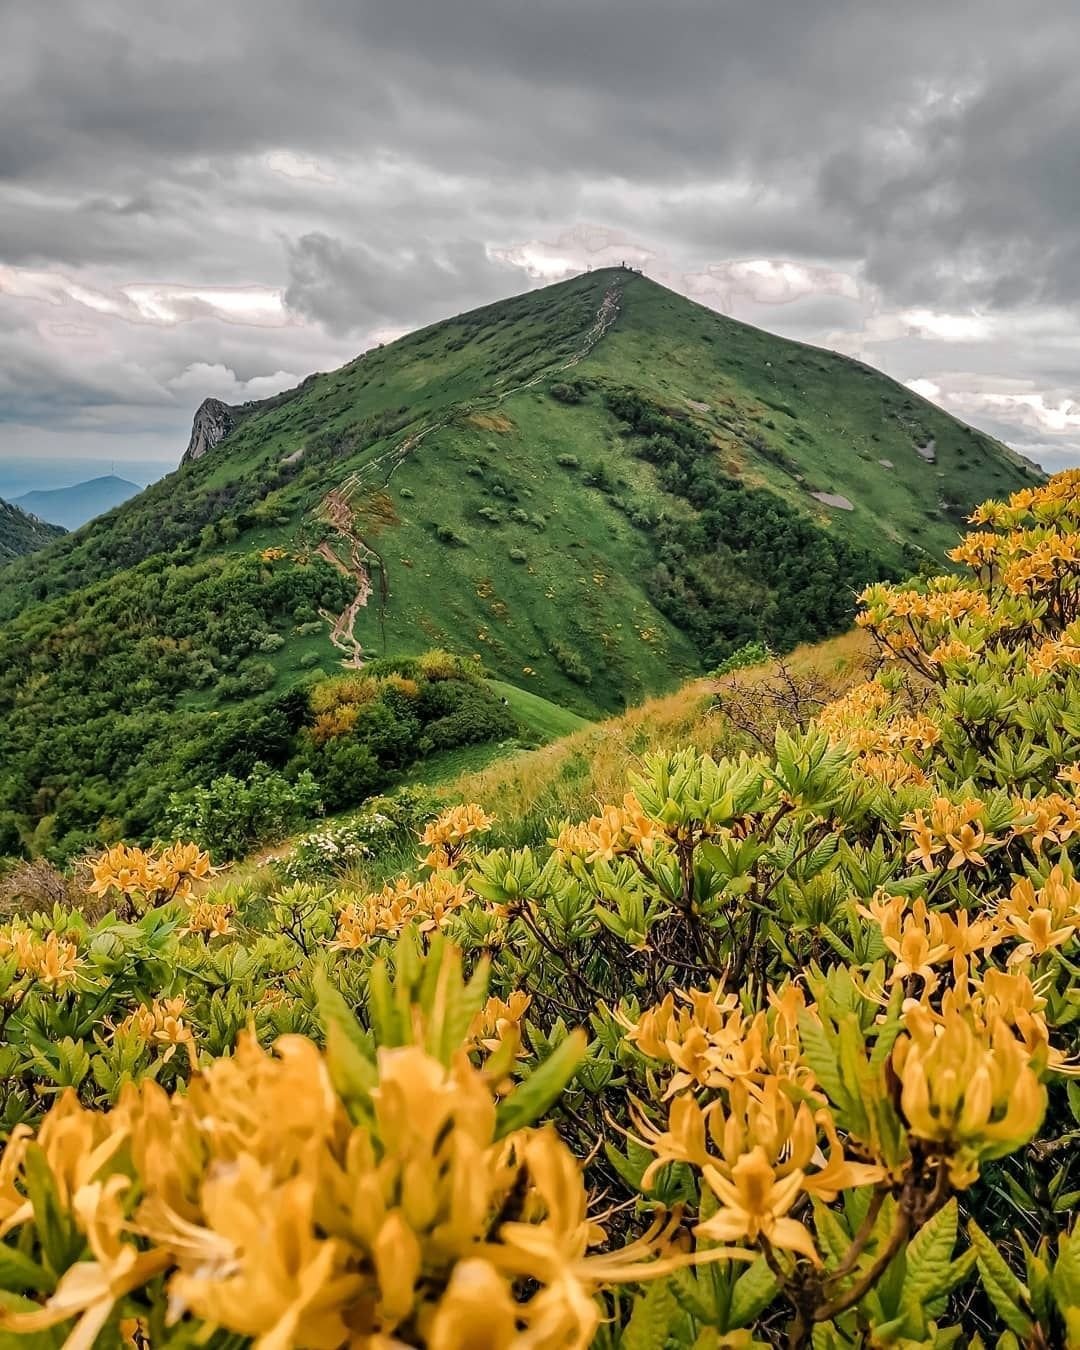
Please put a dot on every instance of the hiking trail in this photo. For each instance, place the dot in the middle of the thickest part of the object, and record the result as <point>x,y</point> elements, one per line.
<point>336,510</point>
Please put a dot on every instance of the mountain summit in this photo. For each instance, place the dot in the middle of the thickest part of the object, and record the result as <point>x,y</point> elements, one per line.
<point>74,506</point>
<point>525,447</point>
<point>595,489</point>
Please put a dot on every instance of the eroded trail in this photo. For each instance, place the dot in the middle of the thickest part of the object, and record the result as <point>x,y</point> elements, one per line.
<point>336,510</point>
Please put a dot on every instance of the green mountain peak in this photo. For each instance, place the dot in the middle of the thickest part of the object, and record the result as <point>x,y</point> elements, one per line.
<point>594,489</point>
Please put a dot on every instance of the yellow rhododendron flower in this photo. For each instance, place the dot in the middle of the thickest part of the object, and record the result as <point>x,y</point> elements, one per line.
<point>754,1206</point>
<point>974,1095</point>
<point>447,836</point>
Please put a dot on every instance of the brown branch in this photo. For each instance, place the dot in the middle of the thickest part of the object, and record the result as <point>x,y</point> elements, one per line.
<point>827,1311</point>
<point>860,1239</point>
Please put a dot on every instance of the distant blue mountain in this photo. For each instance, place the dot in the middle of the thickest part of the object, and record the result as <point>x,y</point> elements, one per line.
<point>74,506</point>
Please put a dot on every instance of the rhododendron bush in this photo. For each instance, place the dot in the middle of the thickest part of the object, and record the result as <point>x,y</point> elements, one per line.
<point>775,1050</point>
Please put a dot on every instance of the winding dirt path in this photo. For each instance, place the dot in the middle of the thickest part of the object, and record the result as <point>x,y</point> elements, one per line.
<point>336,510</point>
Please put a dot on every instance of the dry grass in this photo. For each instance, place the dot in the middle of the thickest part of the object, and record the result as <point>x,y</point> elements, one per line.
<point>490,421</point>
<point>36,886</point>
<point>591,766</point>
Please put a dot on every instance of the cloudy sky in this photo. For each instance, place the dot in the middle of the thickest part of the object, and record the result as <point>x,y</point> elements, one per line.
<point>219,196</point>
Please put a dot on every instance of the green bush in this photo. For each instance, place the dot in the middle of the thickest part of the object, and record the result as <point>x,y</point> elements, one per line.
<point>571,663</point>
<point>568,391</point>
<point>473,716</point>
<point>232,816</point>
<point>749,654</point>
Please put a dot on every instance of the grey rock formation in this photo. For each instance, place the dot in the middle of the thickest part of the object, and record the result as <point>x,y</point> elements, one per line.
<point>213,422</point>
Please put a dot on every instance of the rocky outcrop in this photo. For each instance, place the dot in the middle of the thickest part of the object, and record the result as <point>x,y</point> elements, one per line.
<point>213,422</point>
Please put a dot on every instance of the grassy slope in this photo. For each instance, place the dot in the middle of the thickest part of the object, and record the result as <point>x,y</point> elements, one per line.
<point>573,775</point>
<point>800,419</point>
<point>21,533</point>
<point>542,718</point>
<point>575,571</point>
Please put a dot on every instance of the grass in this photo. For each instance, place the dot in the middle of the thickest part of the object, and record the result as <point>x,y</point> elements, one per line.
<point>546,720</point>
<point>577,773</point>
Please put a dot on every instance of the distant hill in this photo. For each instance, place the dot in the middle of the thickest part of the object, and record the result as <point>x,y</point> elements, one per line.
<point>598,488</point>
<point>21,532</point>
<point>74,506</point>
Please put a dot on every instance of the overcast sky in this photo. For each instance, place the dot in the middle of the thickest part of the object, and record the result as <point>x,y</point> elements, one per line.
<point>219,197</point>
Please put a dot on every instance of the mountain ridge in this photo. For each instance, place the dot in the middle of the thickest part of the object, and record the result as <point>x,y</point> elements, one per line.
<point>22,532</point>
<point>71,507</point>
<point>596,489</point>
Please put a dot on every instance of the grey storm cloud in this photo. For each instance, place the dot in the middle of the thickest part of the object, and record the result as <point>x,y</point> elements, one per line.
<point>349,288</point>
<point>221,197</point>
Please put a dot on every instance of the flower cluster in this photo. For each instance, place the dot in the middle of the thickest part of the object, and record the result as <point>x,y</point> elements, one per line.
<point>777,1123</point>
<point>207,918</point>
<point>448,836</point>
<point>272,1213</point>
<point>428,904</point>
<point>953,835</point>
<point>147,878</point>
<point>161,1022</point>
<point>615,831</point>
<point>51,959</point>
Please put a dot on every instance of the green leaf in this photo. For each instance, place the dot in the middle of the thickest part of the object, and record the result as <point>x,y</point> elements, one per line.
<point>695,1294</point>
<point>351,1070</point>
<point>833,1238</point>
<point>60,1241</point>
<point>654,1312</point>
<point>929,1257</point>
<point>1065,1281</point>
<point>542,1088</point>
<point>381,1006</point>
<point>1004,1290</point>
<point>755,1289</point>
<point>1038,1280</point>
<point>19,1272</point>
<point>819,1054</point>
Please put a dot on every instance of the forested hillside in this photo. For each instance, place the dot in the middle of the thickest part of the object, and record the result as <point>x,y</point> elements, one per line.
<point>22,533</point>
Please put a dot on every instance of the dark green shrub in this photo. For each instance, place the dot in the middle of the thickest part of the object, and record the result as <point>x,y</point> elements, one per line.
<point>232,816</point>
<point>571,663</point>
